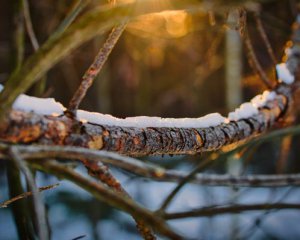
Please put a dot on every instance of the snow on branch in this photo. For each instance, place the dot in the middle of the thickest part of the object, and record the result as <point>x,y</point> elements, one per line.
<point>48,106</point>
<point>145,137</point>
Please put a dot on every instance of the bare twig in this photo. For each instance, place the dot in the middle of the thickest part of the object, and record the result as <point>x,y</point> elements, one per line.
<point>236,208</point>
<point>18,35</point>
<point>41,85</point>
<point>39,208</point>
<point>255,63</point>
<point>181,184</point>
<point>101,192</point>
<point>29,28</point>
<point>25,195</point>
<point>95,68</point>
<point>264,37</point>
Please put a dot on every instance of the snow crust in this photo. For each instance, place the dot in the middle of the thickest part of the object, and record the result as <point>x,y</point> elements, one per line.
<point>284,74</point>
<point>261,99</point>
<point>249,109</point>
<point>246,110</point>
<point>44,106</point>
<point>209,120</point>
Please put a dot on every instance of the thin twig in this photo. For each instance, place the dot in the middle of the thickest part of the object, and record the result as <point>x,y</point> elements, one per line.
<point>39,208</point>
<point>92,72</point>
<point>236,208</point>
<point>264,37</point>
<point>18,35</point>
<point>255,63</point>
<point>259,219</point>
<point>29,27</point>
<point>25,195</point>
<point>101,192</point>
<point>181,184</point>
<point>41,85</point>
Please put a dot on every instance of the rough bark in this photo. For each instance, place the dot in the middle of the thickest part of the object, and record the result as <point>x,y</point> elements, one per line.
<point>29,128</point>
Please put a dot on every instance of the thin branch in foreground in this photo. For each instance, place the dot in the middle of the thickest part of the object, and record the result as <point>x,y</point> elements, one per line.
<point>39,209</point>
<point>101,192</point>
<point>95,68</point>
<point>236,208</point>
<point>26,194</point>
<point>254,63</point>
<point>101,172</point>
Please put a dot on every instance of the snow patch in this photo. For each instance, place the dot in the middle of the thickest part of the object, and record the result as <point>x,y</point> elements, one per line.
<point>246,110</point>
<point>209,120</point>
<point>261,99</point>
<point>44,106</point>
<point>284,74</point>
<point>48,106</point>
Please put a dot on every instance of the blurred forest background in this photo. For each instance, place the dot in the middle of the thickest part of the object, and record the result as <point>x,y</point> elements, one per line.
<point>169,64</point>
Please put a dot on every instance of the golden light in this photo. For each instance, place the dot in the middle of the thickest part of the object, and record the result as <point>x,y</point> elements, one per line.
<point>176,24</point>
<point>166,24</point>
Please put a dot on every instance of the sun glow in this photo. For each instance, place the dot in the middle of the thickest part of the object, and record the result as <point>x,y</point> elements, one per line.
<point>171,24</point>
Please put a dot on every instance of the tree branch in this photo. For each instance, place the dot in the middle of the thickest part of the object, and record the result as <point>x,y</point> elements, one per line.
<point>25,195</point>
<point>99,191</point>
<point>236,208</point>
<point>52,130</point>
<point>101,172</point>
<point>95,68</point>
<point>152,171</point>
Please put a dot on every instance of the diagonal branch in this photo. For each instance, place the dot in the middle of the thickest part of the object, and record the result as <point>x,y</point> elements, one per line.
<point>25,195</point>
<point>186,179</point>
<point>254,63</point>
<point>264,37</point>
<point>101,172</point>
<point>95,68</point>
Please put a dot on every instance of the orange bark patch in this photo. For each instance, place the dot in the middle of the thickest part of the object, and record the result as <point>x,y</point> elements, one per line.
<point>136,141</point>
<point>199,139</point>
<point>96,142</point>
<point>26,135</point>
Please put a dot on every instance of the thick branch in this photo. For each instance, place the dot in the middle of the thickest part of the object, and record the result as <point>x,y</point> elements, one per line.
<point>23,127</point>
